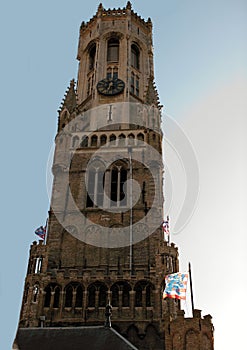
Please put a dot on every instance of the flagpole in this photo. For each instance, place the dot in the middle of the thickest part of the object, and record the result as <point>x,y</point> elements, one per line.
<point>191,291</point>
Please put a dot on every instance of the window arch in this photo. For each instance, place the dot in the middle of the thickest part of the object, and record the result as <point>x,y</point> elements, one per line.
<point>103,140</point>
<point>68,296</point>
<point>121,140</point>
<point>131,139</point>
<point>94,141</point>
<point>75,141</point>
<point>92,54</point>
<point>91,295</point>
<point>35,292</point>
<point>113,50</point>
<point>47,301</point>
<point>79,296</point>
<point>140,137</point>
<point>56,300</point>
<point>113,139</point>
<point>143,289</point>
<point>95,184</point>
<point>102,297</point>
<point>118,179</point>
<point>84,142</point>
<point>135,56</point>
<point>120,290</point>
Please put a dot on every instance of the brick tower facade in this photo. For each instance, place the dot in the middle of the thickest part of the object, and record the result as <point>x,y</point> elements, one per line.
<point>105,241</point>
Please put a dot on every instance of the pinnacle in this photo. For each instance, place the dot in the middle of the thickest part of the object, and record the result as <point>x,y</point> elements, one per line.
<point>128,6</point>
<point>70,98</point>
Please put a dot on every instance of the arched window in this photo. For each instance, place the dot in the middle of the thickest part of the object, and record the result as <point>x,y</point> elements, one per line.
<point>140,137</point>
<point>94,140</point>
<point>79,296</point>
<point>135,56</point>
<point>113,139</point>
<point>75,141</point>
<point>92,53</point>
<point>124,288</point>
<point>115,295</point>
<point>113,50</point>
<point>84,142</point>
<point>121,139</point>
<point>103,140</point>
<point>118,179</point>
<point>68,296</point>
<point>95,184</point>
<point>91,295</point>
<point>131,139</point>
<point>102,295</point>
<point>138,295</point>
<point>35,292</point>
<point>47,296</point>
<point>38,264</point>
<point>143,288</point>
<point>56,297</point>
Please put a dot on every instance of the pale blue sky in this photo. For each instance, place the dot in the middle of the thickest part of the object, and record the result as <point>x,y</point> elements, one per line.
<point>200,64</point>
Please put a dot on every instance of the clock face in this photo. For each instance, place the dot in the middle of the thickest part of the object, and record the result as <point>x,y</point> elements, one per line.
<point>110,87</point>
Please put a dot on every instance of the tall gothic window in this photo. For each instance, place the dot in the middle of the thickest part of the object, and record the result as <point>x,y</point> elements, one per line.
<point>56,297</point>
<point>68,296</point>
<point>135,56</point>
<point>95,185</point>
<point>47,296</point>
<point>92,53</point>
<point>118,179</point>
<point>79,296</point>
<point>113,50</point>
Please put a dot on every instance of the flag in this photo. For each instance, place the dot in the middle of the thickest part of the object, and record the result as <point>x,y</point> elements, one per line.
<point>41,232</point>
<point>175,286</point>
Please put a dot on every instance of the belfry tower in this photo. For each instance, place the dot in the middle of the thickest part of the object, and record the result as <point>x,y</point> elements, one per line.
<point>105,242</point>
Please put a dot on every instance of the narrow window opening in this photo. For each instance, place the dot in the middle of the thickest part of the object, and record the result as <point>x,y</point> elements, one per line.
<point>113,50</point>
<point>79,296</point>
<point>135,56</point>
<point>68,296</point>
<point>92,53</point>
<point>47,296</point>
<point>56,297</point>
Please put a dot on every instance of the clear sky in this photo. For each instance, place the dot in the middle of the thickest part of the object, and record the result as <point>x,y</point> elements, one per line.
<point>200,69</point>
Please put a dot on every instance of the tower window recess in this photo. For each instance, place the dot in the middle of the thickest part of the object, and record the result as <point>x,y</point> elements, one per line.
<point>35,293</point>
<point>118,179</point>
<point>79,296</point>
<point>94,140</point>
<point>92,54</point>
<point>134,84</point>
<point>84,142</point>
<point>47,296</point>
<point>103,140</point>
<point>113,139</point>
<point>120,294</point>
<point>135,56</point>
<point>68,296</point>
<point>38,264</point>
<point>102,294</point>
<point>113,50</point>
<point>143,295</point>
<point>112,73</point>
<point>56,297</point>
<point>95,185</point>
